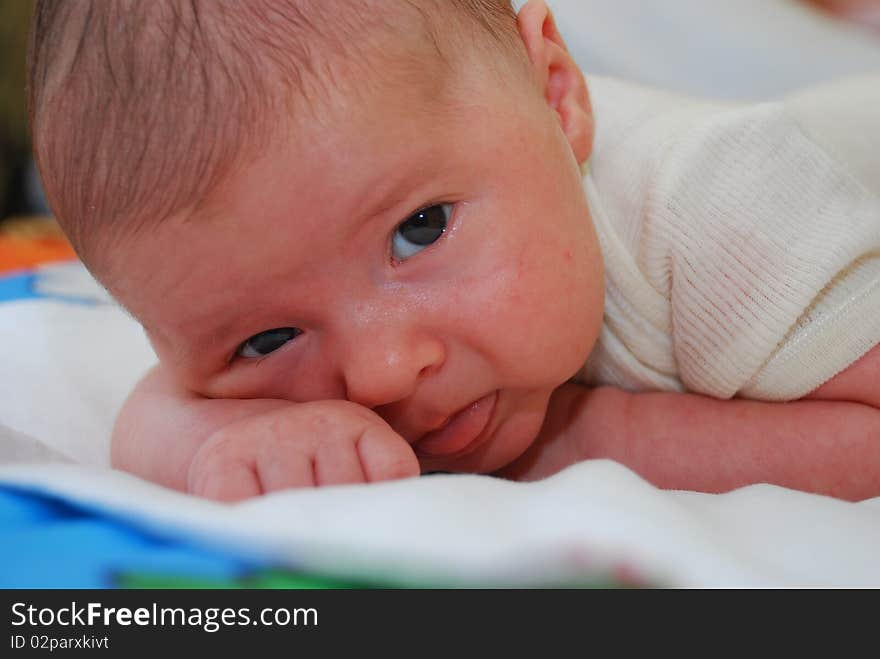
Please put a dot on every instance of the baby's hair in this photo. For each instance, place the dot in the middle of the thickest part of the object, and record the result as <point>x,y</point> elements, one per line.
<point>139,108</point>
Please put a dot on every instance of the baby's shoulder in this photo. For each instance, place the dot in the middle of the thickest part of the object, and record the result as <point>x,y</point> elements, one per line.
<point>733,229</point>
<point>637,122</point>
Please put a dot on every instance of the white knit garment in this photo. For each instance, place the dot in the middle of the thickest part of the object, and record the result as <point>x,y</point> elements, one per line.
<point>741,242</point>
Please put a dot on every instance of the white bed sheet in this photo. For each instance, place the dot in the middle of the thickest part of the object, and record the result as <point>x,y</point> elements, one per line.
<point>589,521</point>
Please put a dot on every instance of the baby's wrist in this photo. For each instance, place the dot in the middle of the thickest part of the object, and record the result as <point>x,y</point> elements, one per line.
<point>603,420</point>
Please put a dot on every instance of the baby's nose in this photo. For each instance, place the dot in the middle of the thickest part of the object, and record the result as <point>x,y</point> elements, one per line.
<point>385,366</point>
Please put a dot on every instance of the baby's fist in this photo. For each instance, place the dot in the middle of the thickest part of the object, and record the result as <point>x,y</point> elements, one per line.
<point>300,445</point>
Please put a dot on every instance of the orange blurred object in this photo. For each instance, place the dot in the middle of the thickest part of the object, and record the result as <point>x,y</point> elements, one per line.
<point>28,242</point>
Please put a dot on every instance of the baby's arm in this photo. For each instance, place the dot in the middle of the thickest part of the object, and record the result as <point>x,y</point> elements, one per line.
<point>860,383</point>
<point>685,441</point>
<point>231,449</point>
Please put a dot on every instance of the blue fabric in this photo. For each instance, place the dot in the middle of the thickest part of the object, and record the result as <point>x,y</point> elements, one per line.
<point>22,285</point>
<point>18,286</point>
<point>50,543</point>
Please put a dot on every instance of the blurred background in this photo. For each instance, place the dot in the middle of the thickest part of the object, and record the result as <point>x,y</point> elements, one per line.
<point>15,196</point>
<point>28,236</point>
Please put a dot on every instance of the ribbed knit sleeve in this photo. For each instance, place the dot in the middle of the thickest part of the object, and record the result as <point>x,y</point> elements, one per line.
<point>742,254</point>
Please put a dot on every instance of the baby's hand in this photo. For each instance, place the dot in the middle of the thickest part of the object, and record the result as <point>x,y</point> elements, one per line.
<point>299,445</point>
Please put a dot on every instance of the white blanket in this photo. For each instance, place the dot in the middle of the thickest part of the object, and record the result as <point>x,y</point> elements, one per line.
<point>593,519</point>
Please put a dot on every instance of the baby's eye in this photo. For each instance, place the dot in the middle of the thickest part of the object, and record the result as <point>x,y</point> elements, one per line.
<point>260,345</point>
<point>420,230</point>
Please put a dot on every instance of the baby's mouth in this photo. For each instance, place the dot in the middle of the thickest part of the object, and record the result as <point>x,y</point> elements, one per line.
<point>461,432</point>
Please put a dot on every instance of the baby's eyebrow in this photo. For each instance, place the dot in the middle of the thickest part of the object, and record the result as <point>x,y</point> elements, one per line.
<point>409,178</point>
<point>390,203</point>
<point>205,344</point>
<point>221,337</point>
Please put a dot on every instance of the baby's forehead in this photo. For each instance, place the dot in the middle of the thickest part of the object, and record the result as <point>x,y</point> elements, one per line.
<point>214,90</point>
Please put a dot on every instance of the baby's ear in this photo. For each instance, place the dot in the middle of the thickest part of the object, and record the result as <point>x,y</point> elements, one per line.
<point>559,76</point>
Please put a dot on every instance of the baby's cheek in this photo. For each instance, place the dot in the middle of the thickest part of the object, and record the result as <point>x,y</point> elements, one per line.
<point>276,377</point>
<point>549,314</point>
<point>570,300</point>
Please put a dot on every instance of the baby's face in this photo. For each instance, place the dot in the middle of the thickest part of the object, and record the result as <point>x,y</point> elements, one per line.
<point>432,261</point>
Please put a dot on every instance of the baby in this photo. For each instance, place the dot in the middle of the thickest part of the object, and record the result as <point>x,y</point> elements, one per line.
<point>375,238</point>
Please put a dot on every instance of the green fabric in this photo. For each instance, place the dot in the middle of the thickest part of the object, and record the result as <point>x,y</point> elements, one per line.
<point>269,579</point>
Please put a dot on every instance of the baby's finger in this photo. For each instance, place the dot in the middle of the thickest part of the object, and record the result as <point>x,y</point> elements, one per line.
<point>235,481</point>
<point>337,463</point>
<point>285,466</point>
<point>385,455</point>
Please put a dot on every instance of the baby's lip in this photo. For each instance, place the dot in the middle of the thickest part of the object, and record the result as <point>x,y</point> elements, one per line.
<point>460,431</point>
